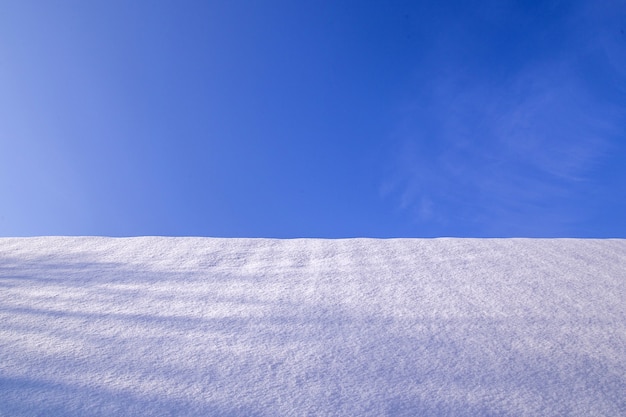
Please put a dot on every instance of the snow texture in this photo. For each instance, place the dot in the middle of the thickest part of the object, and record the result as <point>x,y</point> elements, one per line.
<point>157,326</point>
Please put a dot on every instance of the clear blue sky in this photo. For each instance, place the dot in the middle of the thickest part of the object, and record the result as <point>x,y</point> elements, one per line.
<point>313,118</point>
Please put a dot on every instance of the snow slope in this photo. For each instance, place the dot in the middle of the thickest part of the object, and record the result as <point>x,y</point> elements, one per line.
<point>357,327</point>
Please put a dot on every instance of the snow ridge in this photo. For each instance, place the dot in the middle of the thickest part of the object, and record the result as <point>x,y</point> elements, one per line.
<point>157,326</point>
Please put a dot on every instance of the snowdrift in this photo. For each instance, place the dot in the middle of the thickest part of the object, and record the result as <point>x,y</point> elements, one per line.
<point>356,327</point>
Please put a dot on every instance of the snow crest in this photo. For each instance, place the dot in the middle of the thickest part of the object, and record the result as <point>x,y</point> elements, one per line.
<point>158,326</point>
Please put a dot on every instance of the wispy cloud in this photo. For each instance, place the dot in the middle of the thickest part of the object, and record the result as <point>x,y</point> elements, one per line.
<point>503,153</point>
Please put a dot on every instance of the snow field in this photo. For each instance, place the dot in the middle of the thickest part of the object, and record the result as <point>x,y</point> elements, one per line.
<point>259,327</point>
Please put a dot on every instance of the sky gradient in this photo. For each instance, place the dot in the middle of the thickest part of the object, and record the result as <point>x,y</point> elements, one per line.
<point>313,119</point>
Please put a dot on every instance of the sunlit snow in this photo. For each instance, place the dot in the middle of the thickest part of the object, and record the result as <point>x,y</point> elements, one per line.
<point>356,327</point>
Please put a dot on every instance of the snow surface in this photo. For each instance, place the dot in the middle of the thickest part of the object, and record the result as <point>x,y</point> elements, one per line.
<point>356,327</point>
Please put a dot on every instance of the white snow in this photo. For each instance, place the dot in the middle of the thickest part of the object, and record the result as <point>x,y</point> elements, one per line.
<point>356,327</point>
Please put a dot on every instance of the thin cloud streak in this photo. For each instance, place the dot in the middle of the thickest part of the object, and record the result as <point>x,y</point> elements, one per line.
<point>500,148</point>
<point>508,156</point>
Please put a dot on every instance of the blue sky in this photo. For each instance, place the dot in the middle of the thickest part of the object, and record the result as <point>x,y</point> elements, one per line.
<point>313,118</point>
